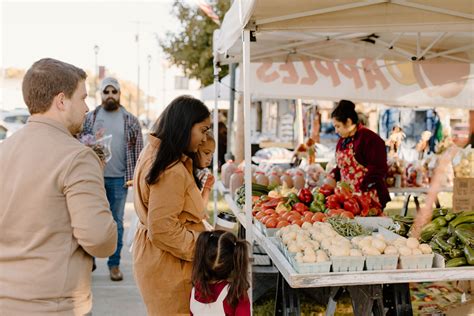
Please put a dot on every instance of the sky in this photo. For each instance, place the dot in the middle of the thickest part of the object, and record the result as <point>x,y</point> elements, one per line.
<point>68,30</point>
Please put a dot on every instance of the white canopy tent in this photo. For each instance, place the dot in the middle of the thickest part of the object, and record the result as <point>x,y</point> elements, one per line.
<point>262,32</point>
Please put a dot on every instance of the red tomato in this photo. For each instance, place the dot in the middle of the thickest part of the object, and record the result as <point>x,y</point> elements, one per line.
<point>293,218</point>
<point>334,212</point>
<point>308,212</point>
<point>295,213</point>
<point>347,214</point>
<point>256,209</point>
<point>298,222</point>
<point>271,223</point>
<point>282,223</point>
<point>308,217</point>
<point>269,211</point>
<point>264,219</point>
<point>318,217</point>
<point>285,216</point>
<point>260,215</point>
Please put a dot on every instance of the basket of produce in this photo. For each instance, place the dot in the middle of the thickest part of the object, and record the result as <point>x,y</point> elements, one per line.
<point>349,263</point>
<point>423,261</point>
<point>381,262</point>
<point>311,263</point>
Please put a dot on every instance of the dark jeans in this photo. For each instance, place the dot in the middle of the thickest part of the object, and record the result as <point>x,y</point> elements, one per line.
<point>117,195</point>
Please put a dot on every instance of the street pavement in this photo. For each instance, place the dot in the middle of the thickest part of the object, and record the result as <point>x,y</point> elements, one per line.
<point>117,298</point>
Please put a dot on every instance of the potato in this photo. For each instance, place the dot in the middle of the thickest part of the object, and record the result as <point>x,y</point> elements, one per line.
<point>425,248</point>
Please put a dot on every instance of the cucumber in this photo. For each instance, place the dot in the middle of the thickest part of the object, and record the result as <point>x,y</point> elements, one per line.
<point>456,262</point>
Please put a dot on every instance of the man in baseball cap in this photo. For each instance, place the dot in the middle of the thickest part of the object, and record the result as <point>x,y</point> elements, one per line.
<point>111,118</point>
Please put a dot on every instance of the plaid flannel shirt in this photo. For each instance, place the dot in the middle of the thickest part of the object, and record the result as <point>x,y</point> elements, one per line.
<point>133,134</point>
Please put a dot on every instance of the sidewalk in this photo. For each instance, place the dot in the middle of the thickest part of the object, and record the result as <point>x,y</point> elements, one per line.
<point>117,298</point>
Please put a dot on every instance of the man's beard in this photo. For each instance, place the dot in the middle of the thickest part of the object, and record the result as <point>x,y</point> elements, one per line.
<point>111,105</point>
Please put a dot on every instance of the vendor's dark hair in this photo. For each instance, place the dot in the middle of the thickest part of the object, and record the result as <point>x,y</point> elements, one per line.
<point>344,110</point>
<point>173,128</point>
<point>221,256</point>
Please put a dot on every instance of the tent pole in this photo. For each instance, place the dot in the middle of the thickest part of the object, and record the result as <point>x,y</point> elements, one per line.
<point>299,121</point>
<point>247,147</point>
<point>215,164</point>
<point>230,114</point>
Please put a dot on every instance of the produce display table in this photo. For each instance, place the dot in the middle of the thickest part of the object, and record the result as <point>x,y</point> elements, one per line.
<point>415,192</point>
<point>365,287</point>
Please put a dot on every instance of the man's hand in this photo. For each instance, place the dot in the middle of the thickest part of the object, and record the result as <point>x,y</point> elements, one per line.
<point>129,183</point>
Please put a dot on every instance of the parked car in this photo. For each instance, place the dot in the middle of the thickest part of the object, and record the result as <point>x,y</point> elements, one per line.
<point>14,120</point>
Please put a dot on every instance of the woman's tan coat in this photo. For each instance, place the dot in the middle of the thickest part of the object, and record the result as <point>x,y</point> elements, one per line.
<point>170,213</point>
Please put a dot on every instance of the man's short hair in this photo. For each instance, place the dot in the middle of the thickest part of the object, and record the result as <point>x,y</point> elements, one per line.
<point>45,79</point>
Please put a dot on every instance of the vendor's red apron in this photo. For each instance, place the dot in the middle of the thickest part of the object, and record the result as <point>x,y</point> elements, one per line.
<point>352,172</point>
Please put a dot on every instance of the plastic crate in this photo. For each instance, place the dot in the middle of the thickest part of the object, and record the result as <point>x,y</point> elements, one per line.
<point>381,262</point>
<point>424,261</point>
<point>309,268</point>
<point>347,263</point>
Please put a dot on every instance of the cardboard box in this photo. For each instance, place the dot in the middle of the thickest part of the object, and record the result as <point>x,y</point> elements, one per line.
<point>463,194</point>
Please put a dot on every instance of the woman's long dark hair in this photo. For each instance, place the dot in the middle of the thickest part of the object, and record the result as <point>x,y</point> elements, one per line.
<point>345,110</point>
<point>221,256</point>
<point>173,128</point>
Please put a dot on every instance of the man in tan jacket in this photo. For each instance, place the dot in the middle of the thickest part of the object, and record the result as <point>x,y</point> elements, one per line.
<point>54,213</point>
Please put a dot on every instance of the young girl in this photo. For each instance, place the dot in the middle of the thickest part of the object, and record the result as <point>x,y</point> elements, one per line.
<point>202,160</point>
<point>220,275</point>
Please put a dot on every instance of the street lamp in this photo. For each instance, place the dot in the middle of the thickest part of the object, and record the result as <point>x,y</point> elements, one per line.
<point>148,92</point>
<point>96,70</point>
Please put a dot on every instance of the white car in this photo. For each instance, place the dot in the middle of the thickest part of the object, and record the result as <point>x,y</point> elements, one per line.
<point>14,120</point>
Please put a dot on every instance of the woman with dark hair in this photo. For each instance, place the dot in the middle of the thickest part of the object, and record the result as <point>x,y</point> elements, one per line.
<point>169,206</point>
<point>361,158</point>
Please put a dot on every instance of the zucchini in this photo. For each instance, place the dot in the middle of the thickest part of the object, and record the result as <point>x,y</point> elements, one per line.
<point>455,253</point>
<point>439,212</point>
<point>428,232</point>
<point>461,219</point>
<point>452,241</point>
<point>456,262</point>
<point>442,232</point>
<point>465,233</point>
<point>469,254</point>
<point>442,244</point>
<point>450,216</point>
<point>439,221</point>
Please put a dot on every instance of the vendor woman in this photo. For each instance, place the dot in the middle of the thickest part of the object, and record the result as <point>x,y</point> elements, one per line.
<point>360,156</point>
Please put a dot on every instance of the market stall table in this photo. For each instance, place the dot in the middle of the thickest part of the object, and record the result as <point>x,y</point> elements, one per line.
<point>365,287</point>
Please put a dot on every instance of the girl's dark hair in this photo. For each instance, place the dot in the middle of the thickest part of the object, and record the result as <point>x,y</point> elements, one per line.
<point>219,256</point>
<point>344,110</point>
<point>173,128</point>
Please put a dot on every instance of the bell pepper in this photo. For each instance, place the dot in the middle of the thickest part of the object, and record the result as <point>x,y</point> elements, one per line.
<point>332,202</point>
<point>271,203</point>
<point>326,189</point>
<point>319,197</point>
<point>352,206</point>
<point>305,196</point>
<point>300,207</point>
<point>292,199</point>
<point>315,207</point>
<point>364,203</point>
<point>343,189</point>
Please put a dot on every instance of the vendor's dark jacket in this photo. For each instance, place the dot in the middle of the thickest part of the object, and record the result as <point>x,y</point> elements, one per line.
<point>369,150</point>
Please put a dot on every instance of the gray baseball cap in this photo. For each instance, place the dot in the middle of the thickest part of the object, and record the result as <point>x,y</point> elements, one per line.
<point>109,81</point>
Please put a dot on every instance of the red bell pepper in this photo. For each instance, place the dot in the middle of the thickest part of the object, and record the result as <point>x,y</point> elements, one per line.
<point>343,189</point>
<point>326,189</point>
<point>364,203</point>
<point>352,206</point>
<point>300,208</point>
<point>305,196</point>
<point>332,202</point>
<point>271,203</point>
